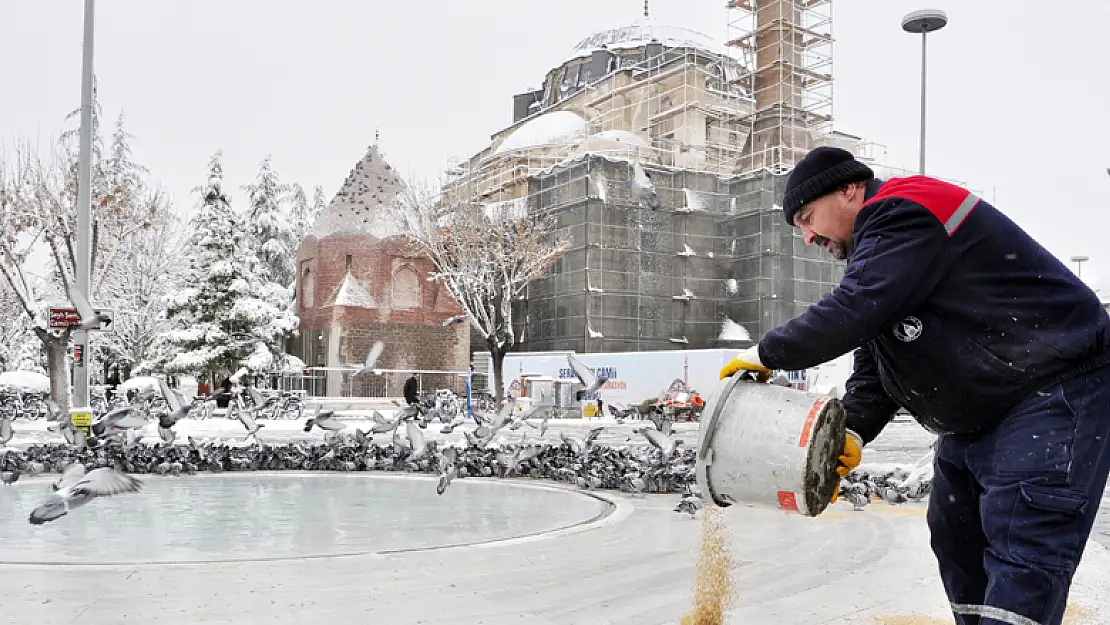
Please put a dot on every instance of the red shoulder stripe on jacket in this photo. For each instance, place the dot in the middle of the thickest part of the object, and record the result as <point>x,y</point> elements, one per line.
<point>949,203</point>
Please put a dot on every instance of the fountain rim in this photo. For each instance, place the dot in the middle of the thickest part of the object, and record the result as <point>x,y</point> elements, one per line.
<point>616,509</point>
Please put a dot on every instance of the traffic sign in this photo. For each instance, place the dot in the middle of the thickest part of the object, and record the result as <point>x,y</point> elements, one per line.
<point>62,317</point>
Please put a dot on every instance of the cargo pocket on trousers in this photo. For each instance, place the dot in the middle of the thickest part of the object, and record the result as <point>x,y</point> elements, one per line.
<point>1046,525</point>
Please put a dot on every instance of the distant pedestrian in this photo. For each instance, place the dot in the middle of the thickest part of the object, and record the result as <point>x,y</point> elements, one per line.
<point>223,396</point>
<point>412,389</point>
<point>113,383</point>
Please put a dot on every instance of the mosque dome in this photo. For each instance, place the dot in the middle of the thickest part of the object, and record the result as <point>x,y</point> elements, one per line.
<point>643,31</point>
<point>550,129</point>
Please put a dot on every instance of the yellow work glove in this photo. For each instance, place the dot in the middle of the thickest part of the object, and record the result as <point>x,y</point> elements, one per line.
<point>747,360</point>
<point>850,459</point>
<point>853,453</point>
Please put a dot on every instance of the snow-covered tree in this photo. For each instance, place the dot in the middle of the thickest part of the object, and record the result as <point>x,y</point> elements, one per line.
<point>485,255</point>
<point>38,211</point>
<point>38,208</point>
<point>19,347</point>
<point>223,315</point>
<point>148,270</point>
<point>319,203</point>
<point>269,228</point>
<point>299,213</point>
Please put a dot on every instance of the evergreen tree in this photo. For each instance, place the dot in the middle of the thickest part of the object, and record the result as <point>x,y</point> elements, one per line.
<point>271,234</point>
<point>300,214</point>
<point>319,203</point>
<point>224,314</point>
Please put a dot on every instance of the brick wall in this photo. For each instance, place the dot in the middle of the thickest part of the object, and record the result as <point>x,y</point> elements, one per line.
<point>407,346</point>
<point>413,336</point>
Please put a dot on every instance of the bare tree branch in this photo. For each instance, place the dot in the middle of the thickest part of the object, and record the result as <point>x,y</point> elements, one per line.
<point>484,254</point>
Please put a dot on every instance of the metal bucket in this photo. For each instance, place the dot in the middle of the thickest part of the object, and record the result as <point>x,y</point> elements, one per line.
<point>768,445</point>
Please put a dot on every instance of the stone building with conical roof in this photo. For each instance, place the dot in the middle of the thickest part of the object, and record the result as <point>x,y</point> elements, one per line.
<point>359,281</point>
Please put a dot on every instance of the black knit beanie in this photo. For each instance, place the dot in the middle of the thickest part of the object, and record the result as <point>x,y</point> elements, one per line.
<point>820,172</point>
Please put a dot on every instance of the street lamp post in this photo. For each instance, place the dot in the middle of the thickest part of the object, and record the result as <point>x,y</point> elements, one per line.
<point>924,21</point>
<point>1079,260</point>
<point>84,202</point>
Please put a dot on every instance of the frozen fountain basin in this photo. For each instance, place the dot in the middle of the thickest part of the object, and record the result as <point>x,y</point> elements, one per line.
<point>264,516</point>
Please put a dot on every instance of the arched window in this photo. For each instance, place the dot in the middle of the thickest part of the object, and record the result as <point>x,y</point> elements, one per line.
<point>308,286</point>
<point>406,288</point>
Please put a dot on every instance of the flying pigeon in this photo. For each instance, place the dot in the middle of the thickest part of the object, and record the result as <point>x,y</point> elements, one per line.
<point>88,316</point>
<point>77,488</point>
<point>643,189</point>
<point>247,419</point>
<point>450,321</point>
<point>116,422</point>
<point>178,408</point>
<point>416,440</point>
<point>446,463</point>
<point>585,376</point>
<point>663,442</point>
<point>371,359</point>
<point>324,420</point>
<point>6,432</point>
<point>70,433</point>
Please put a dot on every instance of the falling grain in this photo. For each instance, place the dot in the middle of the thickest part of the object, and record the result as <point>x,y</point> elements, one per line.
<point>713,588</point>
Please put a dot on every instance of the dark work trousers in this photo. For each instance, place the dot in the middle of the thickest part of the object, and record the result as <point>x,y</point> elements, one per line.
<point>1011,509</point>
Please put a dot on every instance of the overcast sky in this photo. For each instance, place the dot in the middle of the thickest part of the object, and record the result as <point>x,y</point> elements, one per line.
<point>1017,98</point>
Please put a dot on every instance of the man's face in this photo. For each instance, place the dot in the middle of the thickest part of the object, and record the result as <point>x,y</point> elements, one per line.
<point>828,220</point>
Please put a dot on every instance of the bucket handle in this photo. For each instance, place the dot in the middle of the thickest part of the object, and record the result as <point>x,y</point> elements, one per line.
<point>708,430</point>
<point>710,427</point>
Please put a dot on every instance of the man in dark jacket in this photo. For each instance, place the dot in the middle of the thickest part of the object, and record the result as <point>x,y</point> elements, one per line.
<point>412,389</point>
<point>956,314</point>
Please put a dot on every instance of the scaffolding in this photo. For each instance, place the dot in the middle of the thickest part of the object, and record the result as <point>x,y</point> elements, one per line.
<point>716,247</point>
<point>682,107</point>
<point>786,48</point>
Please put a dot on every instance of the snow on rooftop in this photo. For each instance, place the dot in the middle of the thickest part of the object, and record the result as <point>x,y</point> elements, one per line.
<point>641,32</point>
<point>362,203</point>
<point>351,293</point>
<point>618,141</point>
<point>554,128</point>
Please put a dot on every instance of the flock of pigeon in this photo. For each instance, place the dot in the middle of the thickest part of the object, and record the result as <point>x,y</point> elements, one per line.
<point>113,449</point>
<point>113,445</point>
<point>633,468</point>
<point>892,483</point>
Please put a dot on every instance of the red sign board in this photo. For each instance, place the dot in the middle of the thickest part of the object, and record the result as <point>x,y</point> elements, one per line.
<point>62,318</point>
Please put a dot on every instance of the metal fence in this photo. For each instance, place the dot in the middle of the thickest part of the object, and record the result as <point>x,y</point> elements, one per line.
<point>343,382</point>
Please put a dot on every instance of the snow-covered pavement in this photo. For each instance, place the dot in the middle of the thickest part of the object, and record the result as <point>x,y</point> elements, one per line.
<point>635,565</point>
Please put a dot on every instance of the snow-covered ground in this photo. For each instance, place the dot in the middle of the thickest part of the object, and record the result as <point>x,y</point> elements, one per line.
<point>635,565</point>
